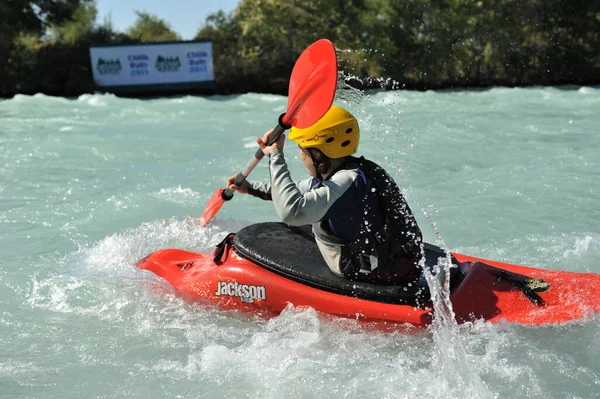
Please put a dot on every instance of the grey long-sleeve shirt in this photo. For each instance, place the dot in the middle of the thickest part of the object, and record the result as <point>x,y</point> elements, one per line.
<point>304,202</point>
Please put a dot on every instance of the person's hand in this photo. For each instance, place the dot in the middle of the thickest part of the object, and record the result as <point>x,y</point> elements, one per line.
<point>242,188</point>
<point>267,150</point>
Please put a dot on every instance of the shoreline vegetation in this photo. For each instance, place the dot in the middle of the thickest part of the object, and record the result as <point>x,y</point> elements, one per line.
<point>388,44</point>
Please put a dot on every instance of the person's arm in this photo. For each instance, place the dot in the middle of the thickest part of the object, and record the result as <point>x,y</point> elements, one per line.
<point>293,204</point>
<point>260,190</point>
<point>263,190</point>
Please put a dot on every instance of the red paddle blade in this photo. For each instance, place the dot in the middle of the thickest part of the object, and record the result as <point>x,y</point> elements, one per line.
<point>312,84</point>
<point>310,94</point>
<point>214,204</point>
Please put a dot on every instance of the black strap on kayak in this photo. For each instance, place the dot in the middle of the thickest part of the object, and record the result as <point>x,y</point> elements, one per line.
<point>222,249</point>
<point>529,286</point>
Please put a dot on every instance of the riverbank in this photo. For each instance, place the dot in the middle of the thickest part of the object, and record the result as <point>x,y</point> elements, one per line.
<point>76,80</point>
<point>414,44</point>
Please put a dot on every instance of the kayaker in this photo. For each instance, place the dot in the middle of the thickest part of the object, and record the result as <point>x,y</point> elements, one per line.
<point>362,224</point>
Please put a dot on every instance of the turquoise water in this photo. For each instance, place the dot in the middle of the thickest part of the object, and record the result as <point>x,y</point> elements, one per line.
<point>90,185</point>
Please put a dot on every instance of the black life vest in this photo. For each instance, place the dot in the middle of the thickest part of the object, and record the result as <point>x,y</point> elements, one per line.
<point>398,236</point>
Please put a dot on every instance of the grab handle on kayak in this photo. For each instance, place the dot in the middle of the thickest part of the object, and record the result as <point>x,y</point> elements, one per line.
<point>529,286</point>
<point>222,249</point>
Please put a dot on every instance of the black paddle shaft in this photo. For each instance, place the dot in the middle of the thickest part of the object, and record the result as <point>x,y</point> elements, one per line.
<point>281,127</point>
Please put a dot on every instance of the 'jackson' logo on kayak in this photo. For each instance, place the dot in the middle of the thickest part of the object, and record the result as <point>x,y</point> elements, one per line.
<point>247,293</point>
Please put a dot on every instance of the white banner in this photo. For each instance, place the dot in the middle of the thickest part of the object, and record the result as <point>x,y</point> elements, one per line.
<point>149,64</point>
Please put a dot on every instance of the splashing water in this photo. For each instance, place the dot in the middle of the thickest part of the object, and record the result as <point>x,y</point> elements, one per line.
<point>90,185</point>
<point>451,354</point>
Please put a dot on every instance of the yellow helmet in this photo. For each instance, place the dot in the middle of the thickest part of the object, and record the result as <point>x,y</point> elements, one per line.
<point>336,134</point>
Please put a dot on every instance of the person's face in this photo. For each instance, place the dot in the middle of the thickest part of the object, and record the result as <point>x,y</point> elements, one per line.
<point>308,162</point>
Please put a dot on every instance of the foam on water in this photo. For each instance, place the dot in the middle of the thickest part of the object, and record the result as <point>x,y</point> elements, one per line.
<point>90,185</point>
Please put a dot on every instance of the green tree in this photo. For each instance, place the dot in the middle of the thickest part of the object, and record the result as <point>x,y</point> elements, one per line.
<point>260,41</point>
<point>34,16</point>
<point>222,30</point>
<point>150,28</point>
<point>572,48</point>
<point>79,25</point>
<point>418,43</point>
<point>19,17</point>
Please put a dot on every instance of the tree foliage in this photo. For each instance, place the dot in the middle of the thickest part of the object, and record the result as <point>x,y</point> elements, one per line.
<point>391,43</point>
<point>150,28</point>
<point>415,43</point>
<point>81,24</point>
<point>22,17</point>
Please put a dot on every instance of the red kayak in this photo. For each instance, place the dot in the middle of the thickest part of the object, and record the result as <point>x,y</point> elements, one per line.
<point>266,266</point>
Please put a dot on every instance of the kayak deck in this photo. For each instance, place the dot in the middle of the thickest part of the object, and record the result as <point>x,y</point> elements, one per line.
<point>271,265</point>
<point>291,252</point>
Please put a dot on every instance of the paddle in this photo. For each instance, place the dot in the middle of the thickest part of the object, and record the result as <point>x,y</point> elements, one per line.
<point>310,94</point>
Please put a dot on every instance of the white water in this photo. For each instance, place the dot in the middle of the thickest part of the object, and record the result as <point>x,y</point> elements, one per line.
<point>90,185</point>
